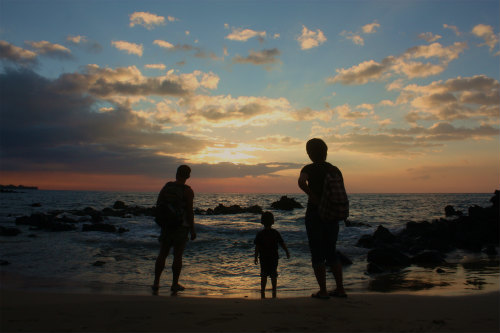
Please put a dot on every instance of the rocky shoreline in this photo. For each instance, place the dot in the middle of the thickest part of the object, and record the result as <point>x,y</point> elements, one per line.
<point>427,243</point>
<point>419,243</point>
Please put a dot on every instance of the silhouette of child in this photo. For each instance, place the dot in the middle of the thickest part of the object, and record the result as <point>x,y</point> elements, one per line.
<point>266,250</point>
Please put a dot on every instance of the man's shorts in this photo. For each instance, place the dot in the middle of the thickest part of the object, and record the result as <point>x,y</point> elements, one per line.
<point>269,267</point>
<point>322,238</point>
<point>174,237</point>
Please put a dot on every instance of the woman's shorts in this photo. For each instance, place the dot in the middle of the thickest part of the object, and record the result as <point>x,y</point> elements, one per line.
<point>322,238</point>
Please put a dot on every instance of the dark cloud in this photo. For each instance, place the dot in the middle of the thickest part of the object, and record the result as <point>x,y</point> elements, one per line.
<point>46,128</point>
<point>264,57</point>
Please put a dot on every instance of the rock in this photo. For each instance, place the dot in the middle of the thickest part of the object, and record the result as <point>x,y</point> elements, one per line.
<point>344,260</point>
<point>119,205</point>
<point>225,210</point>
<point>490,250</point>
<point>388,257</point>
<point>99,227</point>
<point>122,230</point>
<point>5,231</point>
<point>450,211</point>
<point>428,258</point>
<point>36,204</point>
<point>440,271</point>
<point>99,263</point>
<point>383,235</point>
<point>366,241</point>
<point>4,263</point>
<point>44,222</point>
<point>285,203</point>
<point>374,268</point>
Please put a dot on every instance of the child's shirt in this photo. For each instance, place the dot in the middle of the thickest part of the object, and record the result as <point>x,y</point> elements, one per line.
<point>268,240</point>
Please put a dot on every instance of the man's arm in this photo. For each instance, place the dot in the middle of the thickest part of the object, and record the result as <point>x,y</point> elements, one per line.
<point>303,184</point>
<point>189,211</point>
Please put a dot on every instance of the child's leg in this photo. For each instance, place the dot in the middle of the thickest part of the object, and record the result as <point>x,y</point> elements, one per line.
<point>274,281</point>
<point>263,282</point>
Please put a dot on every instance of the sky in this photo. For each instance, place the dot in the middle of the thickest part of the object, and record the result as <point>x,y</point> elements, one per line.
<point>114,95</point>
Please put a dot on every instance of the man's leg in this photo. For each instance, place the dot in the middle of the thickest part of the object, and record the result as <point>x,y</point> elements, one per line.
<point>274,281</point>
<point>160,263</point>
<point>263,283</point>
<point>177,265</point>
<point>320,274</point>
<point>337,274</point>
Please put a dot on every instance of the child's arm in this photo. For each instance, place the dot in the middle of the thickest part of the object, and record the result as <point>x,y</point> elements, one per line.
<point>283,245</point>
<point>256,258</point>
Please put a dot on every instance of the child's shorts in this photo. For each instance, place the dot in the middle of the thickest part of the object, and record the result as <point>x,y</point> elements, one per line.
<point>268,267</point>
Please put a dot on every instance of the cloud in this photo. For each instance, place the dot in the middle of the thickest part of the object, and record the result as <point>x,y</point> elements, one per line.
<point>453,28</point>
<point>164,44</point>
<point>155,66</point>
<point>264,57</point>
<point>309,39</point>
<point>45,128</point>
<point>16,54</point>
<point>147,20</point>
<point>429,37</point>
<point>447,132</point>
<point>486,33</point>
<point>130,48</point>
<point>371,70</point>
<point>242,35</point>
<point>370,28</point>
<point>458,98</point>
<point>359,74</point>
<point>345,112</point>
<point>51,50</point>
<point>127,82</point>
<point>91,46</point>
<point>279,140</point>
<point>355,38</point>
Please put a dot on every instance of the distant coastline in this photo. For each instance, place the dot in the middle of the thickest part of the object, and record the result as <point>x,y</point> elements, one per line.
<point>13,188</point>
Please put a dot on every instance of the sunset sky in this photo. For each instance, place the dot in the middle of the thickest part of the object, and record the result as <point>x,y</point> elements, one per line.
<point>114,95</point>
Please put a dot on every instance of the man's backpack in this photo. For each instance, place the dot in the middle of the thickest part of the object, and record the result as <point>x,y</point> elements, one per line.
<point>334,204</point>
<point>169,206</point>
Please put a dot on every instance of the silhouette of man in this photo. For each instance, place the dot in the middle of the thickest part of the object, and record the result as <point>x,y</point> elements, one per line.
<point>177,236</point>
<point>322,235</point>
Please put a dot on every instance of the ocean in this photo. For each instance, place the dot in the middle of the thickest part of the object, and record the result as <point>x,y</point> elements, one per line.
<point>219,263</point>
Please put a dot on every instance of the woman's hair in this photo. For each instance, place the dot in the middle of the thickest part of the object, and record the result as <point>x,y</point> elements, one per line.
<point>267,218</point>
<point>317,150</point>
<point>183,172</point>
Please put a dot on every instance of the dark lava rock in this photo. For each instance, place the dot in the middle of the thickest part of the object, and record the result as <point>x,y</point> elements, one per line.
<point>119,205</point>
<point>388,257</point>
<point>228,210</point>
<point>99,263</point>
<point>374,268</point>
<point>286,203</point>
<point>44,222</point>
<point>450,211</point>
<point>428,258</point>
<point>5,231</point>
<point>383,235</point>
<point>99,227</point>
<point>344,260</point>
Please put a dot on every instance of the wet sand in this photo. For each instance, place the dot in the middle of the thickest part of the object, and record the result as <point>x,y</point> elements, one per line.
<point>28,311</point>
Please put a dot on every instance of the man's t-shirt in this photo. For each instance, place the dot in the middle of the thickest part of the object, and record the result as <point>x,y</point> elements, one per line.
<point>316,173</point>
<point>268,240</point>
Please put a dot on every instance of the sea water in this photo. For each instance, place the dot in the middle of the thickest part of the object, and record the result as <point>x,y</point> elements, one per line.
<point>220,261</point>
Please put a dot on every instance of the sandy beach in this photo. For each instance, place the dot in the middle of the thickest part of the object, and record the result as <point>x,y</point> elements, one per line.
<point>43,311</point>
